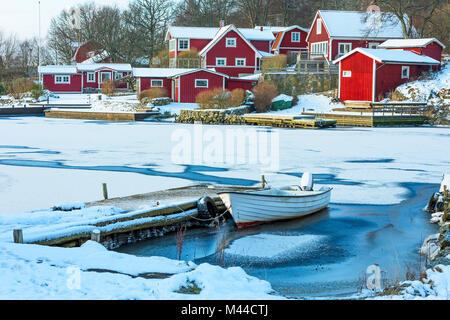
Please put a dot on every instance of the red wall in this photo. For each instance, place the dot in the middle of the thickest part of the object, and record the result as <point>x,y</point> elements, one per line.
<point>194,44</point>
<point>261,45</point>
<point>314,37</point>
<point>232,84</point>
<point>74,86</point>
<point>95,84</point>
<point>146,84</point>
<point>355,44</point>
<point>286,42</point>
<point>359,86</point>
<point>242,50</point>
<point>389,77</point>
<point>188,90</point>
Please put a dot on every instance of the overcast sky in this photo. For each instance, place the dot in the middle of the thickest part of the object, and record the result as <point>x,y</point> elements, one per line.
<point>20,17</point>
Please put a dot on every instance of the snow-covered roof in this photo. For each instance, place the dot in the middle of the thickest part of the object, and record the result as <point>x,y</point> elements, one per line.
<point>97,58</point>
<point>266,54</point>
<point>409,43</point>
<point>124,67</point>
<point>159,72</point>
<point>57,69</point>
<point>355,24</point>
<point>392,56</point>
<point>271,28</point>
<point>209,33</point>
<point>224,31</point>
<point>168,72</point>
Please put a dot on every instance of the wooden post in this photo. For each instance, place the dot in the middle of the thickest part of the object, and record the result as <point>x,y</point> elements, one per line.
<point>444,217</point>
<point>263,182</point>
<point>18,236</point>
<point>95,235</point>
<point>105,191</point>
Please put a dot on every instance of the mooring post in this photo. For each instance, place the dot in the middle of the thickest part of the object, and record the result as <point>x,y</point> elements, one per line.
<point>263,182</point>
<point>95,235</point>
<point>105,191</point>
<point>18,236</point>
<point>444,218</point>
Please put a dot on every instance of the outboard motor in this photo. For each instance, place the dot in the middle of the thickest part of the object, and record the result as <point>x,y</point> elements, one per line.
<point>307,182</point>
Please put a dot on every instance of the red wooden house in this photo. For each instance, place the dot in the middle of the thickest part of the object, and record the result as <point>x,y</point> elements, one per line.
<point>83,76</point>
<point>430,47</point>
<point>291,39</point>
<point>369,74</point>
<point>231,53</point>
<point>197,38</point>
<point>335,33</point>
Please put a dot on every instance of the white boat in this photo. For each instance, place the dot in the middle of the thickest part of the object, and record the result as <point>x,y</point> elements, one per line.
<point>249,208</point>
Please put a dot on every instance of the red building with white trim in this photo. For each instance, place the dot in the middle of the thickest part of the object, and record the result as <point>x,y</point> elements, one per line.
<point>369,74</point>
<point>291,39</point>
<point>335,33</point>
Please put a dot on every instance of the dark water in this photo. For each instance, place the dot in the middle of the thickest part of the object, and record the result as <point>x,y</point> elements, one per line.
<point>353,237</point>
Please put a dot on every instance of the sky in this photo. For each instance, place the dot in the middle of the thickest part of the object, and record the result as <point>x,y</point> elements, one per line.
<point>20,17</point>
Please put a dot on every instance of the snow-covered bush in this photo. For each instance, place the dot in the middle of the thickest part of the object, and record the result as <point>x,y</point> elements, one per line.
<point>264,93</point>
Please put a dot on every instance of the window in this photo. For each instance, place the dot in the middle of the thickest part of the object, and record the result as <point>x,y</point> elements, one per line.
<point>201,83</point>
<point>105,76</point>
<point>231,42</point>
<point>295,36</point>
<point>91,77</point>
<point>344,48</point>
<point>319,48</point>
<point>240,62</point>
<point>119,75</point>
<point>183,44</point>
<point>221,61</point>
<point>346,74</point>
<point>373,45</point>
<point>172,44</point>
<point>156,83</point>
<point>319,26</point>
<point>405,72</point>
<point>62,79</point>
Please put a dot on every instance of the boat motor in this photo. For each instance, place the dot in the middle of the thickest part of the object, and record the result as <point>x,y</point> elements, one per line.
<point>307,182</point>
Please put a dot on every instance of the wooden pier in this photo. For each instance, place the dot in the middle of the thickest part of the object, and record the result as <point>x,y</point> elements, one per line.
<point>288,121</point>
<point>22,111</point>
<point>93,115</point>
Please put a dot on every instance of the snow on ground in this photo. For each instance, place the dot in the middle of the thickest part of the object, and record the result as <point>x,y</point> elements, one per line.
<point>310,103</point>
<point>427,90</point>
<point>271,245</point>
<point>38,272</point>
<point>174,108</point>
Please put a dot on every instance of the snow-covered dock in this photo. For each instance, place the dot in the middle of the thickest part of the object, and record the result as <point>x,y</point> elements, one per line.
<point>99,115</point>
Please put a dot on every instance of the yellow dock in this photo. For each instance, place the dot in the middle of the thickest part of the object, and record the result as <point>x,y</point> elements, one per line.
<point>288,121</point>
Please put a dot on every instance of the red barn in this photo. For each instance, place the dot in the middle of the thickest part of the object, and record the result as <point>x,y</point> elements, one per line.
<point>335,33</point>
<point>291,39</point>
<point>181,85</point>
<point>430,47</point>
<point>77,78</point>
<point>231,53</point>
<point>369,74</point>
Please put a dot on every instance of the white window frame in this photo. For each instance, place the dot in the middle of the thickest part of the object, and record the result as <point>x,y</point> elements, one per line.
<point>62,79</point>
<point>172,44</point>
<point>233,45</point>
<point>156,86</point>
<point>373,44</point>
<point>407,72</point>
<point>101,76</point>
<point>346,74</point>
<point>240,59</point>
<point>297,38</point>
<point>319,26</point>
<point>221,59</point>
<point>188,44</point>
<point>320,48</point>
<point>344,44</point>
<point>197,86</point>
<point>93,77</point>
<point>116,77</point>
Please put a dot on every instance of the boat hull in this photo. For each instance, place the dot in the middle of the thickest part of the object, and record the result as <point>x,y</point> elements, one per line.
<point>249,209</point>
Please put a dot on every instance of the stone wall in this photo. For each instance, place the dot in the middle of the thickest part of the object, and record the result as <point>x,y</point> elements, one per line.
<point>303,83</point>
<point>214,116</point>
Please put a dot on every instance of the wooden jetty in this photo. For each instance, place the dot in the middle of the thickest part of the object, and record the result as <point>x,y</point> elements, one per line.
<point>288,121</point>
<point>62,105</point>
<point>98,115</point>
<point>22,111</point>
<point>138,224</point>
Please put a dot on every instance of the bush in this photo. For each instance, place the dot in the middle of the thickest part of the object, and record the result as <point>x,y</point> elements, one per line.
<point>161,60</point>
<point>37,91</point>
<point>18,87</point>
<point>2,89</point>
<point>152,93</point>
<point>108,87</point>
<point>276,62</point>
<point>237,97</point>
<point>264,94</point>
<point>214,99</point>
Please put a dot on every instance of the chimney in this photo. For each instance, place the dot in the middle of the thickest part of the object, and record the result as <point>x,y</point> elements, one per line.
<point>221,23</point>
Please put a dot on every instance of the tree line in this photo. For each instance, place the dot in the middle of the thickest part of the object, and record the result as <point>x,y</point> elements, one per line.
<point>137,34</point>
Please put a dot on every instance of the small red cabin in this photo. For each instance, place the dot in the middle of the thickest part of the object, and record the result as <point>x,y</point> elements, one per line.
<point>430,47</point>
<point>291,39</point>
<point>369,74</point>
